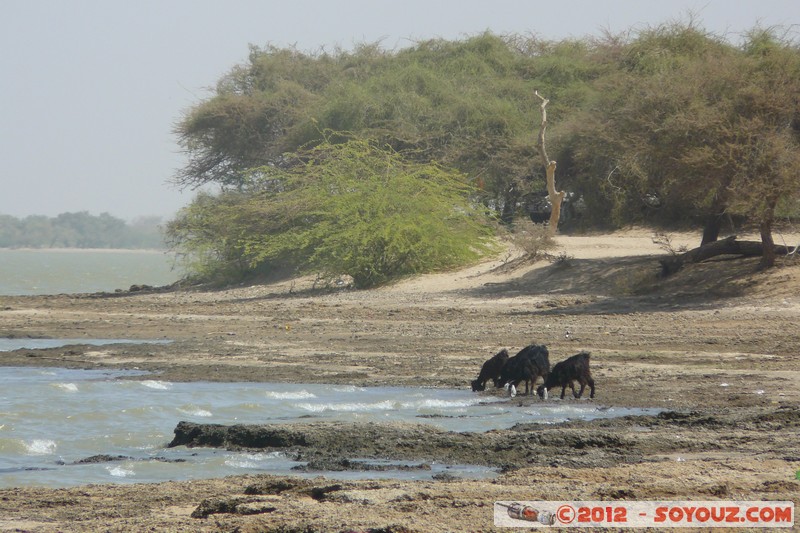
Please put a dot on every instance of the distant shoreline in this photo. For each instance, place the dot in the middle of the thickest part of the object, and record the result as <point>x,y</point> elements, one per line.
<point>37,271</point>
<point>94,250</point>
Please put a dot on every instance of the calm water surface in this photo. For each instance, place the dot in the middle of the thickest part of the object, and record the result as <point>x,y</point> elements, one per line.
<point>51,419</point>
<point>75,271</point>
<point>17,343</point>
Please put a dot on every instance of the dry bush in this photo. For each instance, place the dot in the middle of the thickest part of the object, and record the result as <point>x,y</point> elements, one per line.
<point>532,239</point>
<point>664,241</point>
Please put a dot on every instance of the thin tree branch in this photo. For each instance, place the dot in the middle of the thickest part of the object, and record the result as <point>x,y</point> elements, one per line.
<point>542,149</point>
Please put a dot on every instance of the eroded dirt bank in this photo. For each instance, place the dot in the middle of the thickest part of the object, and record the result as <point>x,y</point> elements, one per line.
<point>715,347</point>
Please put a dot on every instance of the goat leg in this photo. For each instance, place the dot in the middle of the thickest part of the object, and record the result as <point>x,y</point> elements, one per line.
<point>572,386</point>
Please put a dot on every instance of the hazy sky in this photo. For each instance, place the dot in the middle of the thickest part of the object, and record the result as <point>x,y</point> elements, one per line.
<point>91,89</point>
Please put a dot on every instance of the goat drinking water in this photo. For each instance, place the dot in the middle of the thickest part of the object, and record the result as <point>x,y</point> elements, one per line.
<point>490,370</point>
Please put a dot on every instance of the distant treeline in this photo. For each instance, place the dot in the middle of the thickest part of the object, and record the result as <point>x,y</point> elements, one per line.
<point>79,230</point>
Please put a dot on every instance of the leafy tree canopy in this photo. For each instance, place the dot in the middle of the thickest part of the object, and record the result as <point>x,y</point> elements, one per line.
<point>670,125</point>
<point>467,104</point>
<point>349,208</point>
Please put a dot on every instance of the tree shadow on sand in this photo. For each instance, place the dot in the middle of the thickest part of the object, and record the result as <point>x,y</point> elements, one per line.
<point>625,284</point>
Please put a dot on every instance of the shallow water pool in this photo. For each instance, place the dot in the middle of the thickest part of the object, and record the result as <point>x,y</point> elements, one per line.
<point>52,419</point>
<point>19,343</point>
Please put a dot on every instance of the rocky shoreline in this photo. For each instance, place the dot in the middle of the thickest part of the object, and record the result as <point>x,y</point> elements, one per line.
<point>581,444</point>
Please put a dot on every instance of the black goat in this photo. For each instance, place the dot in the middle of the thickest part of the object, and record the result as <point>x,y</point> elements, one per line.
<point>530,363</point>
<point>490,370</point>
<point>576,368</point>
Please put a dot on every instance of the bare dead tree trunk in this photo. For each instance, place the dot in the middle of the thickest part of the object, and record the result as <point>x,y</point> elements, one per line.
<point>556,197</point>
<point>765,228</point>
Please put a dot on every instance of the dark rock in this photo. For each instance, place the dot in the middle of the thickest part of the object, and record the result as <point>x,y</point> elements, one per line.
<point>340,464</point>
<point>236,437</point>
<point>240,506</point>
<point>277,486</point>
<point>101,458</point>
<point>445,476</point>
<point>320,493</point>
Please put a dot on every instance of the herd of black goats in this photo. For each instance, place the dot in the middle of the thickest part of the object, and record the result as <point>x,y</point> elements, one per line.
<point>530,363</point>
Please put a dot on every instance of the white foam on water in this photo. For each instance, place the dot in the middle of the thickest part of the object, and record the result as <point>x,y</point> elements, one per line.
<point>273,455</point>
<point>348,388</point>
<point>157,385</point>
<point>250,406</point>
<point>118,471</point>
<point>290,395</point>
<point>69,387</point>
<point>240,462</point>
<point>193,410</point>
<point>555,413</point>
<point>40,447</point>
<point>253,460</point>
<point>431,403</point>
<point>358,407</point>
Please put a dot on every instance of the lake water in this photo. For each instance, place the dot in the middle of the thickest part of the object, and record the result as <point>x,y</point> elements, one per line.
<point>76,271</point>
<point>51,419</point>
<point>17,343</point>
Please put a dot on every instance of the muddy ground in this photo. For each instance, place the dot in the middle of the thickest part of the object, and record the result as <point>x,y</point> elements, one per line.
<point>715,346</point>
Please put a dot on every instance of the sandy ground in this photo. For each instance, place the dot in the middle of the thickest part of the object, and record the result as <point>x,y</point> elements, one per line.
<point>715,346</point>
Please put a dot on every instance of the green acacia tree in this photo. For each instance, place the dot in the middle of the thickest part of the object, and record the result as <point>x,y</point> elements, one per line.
<point>339,209</point>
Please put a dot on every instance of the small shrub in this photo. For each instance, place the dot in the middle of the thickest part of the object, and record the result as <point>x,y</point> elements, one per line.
<point>532,239</point>
<point>664,241</point>
<point>563,259</point>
